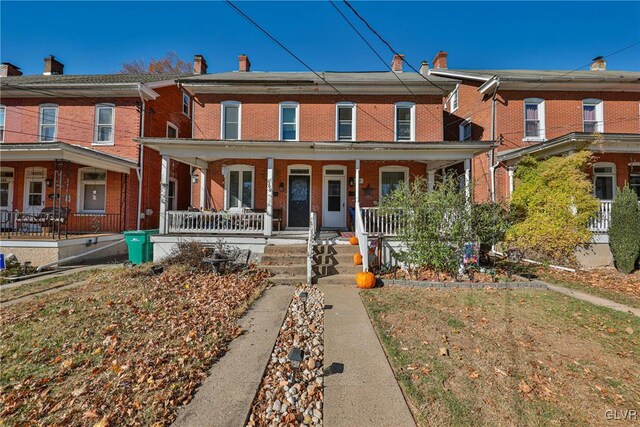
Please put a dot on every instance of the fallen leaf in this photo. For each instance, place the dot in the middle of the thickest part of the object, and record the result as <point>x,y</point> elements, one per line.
<point>524,387</point>
<point>104,422</point>
<point>629,330</point>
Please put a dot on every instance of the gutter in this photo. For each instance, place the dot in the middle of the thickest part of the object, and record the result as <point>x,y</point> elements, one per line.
<point>140,168</point>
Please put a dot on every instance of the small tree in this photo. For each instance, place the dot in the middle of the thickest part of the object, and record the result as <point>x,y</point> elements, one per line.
<point>170,63</point>
<point>438,223</point>
<point>624,232</point>
<point>555,202</point>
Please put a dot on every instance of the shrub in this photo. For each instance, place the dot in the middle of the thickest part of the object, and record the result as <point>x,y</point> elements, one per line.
<point>624,232</point>
<point>554,201</point>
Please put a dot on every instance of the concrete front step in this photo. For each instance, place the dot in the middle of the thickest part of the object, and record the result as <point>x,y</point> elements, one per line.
<point>286,249</point>
<point>332,270</point>
<point>288,280</point>
<point>286,270</point>
<point>337,279</point>
<point>283,259</point>
<point>336,249</point>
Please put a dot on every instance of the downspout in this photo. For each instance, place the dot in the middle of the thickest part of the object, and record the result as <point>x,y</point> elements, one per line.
<point>492,153</point>
<point>140,169</point>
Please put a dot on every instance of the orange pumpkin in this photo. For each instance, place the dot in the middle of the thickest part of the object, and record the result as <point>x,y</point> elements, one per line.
<point>357,259</point>
<point>353,240</point>
<point>365,280</point>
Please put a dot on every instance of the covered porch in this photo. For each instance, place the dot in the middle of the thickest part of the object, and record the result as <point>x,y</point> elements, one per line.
<point>268,189</point>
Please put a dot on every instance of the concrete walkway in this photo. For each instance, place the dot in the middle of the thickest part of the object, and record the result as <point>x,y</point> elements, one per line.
<point>366,392</point>
<point>603,302</point>
<point>225,397</point>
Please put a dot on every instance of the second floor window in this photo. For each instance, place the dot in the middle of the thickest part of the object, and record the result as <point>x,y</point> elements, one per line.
<point>465,130</point>
<point>172,130</point>
<point>346,122</point>
<point>454,100</point>
<point>104,124</point>
<point>2,119</point>
<point>186,105</point>
<point>289,122</point>
<point>534,119</point>
<point>592,115</point>
<point>230,120</point>
<point>48,123</point>
<point>405,121</point>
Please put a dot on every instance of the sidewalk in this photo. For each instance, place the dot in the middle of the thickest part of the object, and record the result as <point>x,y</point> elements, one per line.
<point>225,397</point>
<point>603,302</point>
<point>366,393</point>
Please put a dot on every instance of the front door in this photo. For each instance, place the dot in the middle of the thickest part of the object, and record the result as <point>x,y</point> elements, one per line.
<point>6,202</point>
<point>333,203</point>
<point>35,196</point>
<point>299,200</point>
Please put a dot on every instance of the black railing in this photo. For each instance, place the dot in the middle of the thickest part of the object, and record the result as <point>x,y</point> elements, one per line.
<point>57,224</point>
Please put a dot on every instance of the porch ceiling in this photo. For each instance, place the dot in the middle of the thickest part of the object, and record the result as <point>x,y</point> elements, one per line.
<point>193,151</point>
<point>50,151</point>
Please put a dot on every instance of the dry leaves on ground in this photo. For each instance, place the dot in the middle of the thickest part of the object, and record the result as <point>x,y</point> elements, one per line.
<point>608,279</point>
<point>129,350</point>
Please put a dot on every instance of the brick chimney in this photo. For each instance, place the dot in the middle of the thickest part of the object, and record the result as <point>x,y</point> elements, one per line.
<point>199,65</point>
<point>424,68</point>
<point>440,61</point>
<point>396,64</point>
<point>8,69</point>
<point>52,66</point>
<point>598,64</point>
<point>244,65</point>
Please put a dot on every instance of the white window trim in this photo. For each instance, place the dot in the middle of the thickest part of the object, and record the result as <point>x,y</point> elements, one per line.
<point>541,119</point>
<point>599,104</point>
<point>461,129</point>
<point>174,127</point>
<point>412,106</point>
<point>223,115</point>
<point>4,123</point>
<point>113,125</point>
<point>174,206</point>
<point>382,169</point>
<point>187,104</point>
<point>613,174</point>
<point>28,177</point>
<point>40,124</point>
<point>227,181</point>
<point>289,104</point>
<point>9,181</point>
<point>82,183</point>
<point>346,104</point>
<point>455,94</point>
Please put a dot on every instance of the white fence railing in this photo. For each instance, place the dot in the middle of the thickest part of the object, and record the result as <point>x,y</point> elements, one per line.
<point>600,224</point>
<point>215,222</point>
<point>311,240</point>
<point>375,222</point>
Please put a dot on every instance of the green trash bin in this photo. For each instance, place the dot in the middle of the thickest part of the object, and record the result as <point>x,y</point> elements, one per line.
<point>139,245</point>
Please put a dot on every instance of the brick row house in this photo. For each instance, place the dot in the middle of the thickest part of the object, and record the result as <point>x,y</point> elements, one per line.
<point>273,148</point>
<point>70,166</point>
<point>546,113</point>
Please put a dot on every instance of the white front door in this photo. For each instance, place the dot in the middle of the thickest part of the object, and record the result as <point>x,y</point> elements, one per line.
<point>6,205</point>
<point>34,195</point>
<point>334,214</point>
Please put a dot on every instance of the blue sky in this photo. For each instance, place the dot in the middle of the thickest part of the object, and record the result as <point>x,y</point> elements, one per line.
<point>97,37</point>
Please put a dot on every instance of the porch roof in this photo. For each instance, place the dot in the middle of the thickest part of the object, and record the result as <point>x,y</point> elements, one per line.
<point>49,151</point>
<point>602,143</point>
<point>198,152</point>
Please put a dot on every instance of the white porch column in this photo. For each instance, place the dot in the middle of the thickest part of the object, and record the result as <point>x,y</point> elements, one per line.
<point>492,171</point>
<point>511,170</point>
<point>268,220</point>
<point>467,180</point>
<point>164,192</point>
<point>357,183</point>
<point>431,180</point>
<point>203,189</point>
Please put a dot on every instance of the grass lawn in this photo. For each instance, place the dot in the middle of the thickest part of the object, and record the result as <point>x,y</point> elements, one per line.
<point>129,347</point>
<point>7,294</point>
<point>525,357</point>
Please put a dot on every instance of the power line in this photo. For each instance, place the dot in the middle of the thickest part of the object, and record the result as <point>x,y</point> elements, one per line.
<point>297,58</point>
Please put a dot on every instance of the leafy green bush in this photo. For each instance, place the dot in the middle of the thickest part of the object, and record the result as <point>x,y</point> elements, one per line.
<point>554,200</point>
<point>624,232</point>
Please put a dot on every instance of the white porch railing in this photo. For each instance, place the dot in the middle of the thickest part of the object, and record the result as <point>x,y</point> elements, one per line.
<point>375,222</point>
<point>363,238</point>
<point>311,240</point>
<point>600,224</point>
<point>215,222</point>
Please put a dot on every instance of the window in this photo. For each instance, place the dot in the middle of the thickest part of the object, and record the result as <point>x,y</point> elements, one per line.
<point>391,177</point>
<point>6,188</point>
<point>405,121</point>
<point>453,100</point>
<point>2,120</point>
<point>239,187</point>
<point>186,105</point>
<point>92,190</point>
<point>634,178</point>
<point>172,130</point>
<point>230,127</point>
<point>289,118</point>
<point>345,121</point>
<point>592,115</point>
<point>465,130</point>
<point>534,119</point>
<point>48,122</point>
<point>104,124</point>
<point>173,194</point>
<point>604,180</point>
